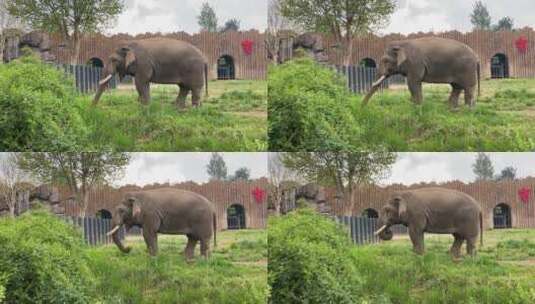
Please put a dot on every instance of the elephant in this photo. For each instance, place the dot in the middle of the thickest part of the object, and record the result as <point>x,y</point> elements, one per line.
<point>167,211</point>
<point>432,60</point>
<point>159,60</point>
<point>434,210</point>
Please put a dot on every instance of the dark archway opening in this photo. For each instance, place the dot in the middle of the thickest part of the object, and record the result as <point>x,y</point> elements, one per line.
<point>502,216</point>
<point>225,68</point>
<point>370,213</point>
<point>236,217</point>
<point>499,66</point>
<point>368,63</point>
<point>103,214</point>
<point>96,62</point>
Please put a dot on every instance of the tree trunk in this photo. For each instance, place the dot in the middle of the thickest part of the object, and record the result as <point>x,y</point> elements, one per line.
<point>76,42</point>
<point>349,50</point>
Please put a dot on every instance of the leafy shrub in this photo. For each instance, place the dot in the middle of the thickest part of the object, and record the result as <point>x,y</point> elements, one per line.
<point>310,260</point>
<point>37,108</point>
<point>310,109</point>
<point>43,261</point>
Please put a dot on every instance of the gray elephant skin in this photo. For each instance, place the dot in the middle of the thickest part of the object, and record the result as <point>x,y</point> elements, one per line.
<point>432,60</point>
<point>167,211</point>
<point>434,210</point>
<point>159,60</point>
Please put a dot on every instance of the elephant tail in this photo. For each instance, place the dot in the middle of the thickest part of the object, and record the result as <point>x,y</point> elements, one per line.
<point>479,79</point>
<point>215,230</point>
<point>206,79</point>
<point>481,229</point>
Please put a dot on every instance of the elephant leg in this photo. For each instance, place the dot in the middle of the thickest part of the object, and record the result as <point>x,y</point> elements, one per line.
<point>190,247</point>
<point>454,96</point>
<point>471,245</point>
<point>143,89</point>
<point>151,239</point>
<point>415,87</point>
<point>469,98</point>
<point>205,247</point>
<point>196,97</point>
<point>417,239</point>
<point>182,95</point>
<point>456,247</point>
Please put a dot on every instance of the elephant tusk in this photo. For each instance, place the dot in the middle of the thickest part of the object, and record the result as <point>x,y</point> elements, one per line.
<point>113,230</point>
<point>378,82</point>
<point>380,230</point>
<point>105,80</point>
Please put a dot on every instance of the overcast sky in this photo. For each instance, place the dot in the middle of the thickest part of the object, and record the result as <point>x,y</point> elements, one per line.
<point>165,16</point>
<point>434,15</point>
<point>440,167</point>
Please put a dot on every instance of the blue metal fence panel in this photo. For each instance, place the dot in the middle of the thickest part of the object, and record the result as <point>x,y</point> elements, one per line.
<point>361,229</point>
<point>359,79</point>
<point>94,230</point>
<point>86,77</point>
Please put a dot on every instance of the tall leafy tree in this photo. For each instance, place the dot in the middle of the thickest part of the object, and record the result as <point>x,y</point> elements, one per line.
<point>231,25</point>
<point>480,16</point>
<point>11,179</point>
<point>207,19</point>
<point>80,171</point>
<point>342,19</point>
<point>217,168</point>
<point>345,170</point>
<point>70,18</point>
<point>482,167</point>
<point>243,174</point>
<point>508,173</point>
<point>504,24</point>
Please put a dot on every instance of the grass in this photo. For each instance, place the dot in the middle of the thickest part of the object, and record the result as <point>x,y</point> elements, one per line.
<point>502,272</point>
<point>236,272</point>
<point>232,118</point>
<point>501,121</point>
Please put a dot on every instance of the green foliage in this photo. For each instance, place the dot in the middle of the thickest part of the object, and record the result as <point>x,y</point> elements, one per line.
<point>480,16</point>
<point>310,260</point>
<point>504,24</point>
<point>482,167</point>
<point>217,168</point>
<point>310,109</point>
<point>235,273</point>
<point>207,19</point>
<point>37,109</point>
<point>231,25</point>
<point>43,261</point>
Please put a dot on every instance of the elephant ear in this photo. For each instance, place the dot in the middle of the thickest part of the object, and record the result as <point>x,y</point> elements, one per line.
<point>401,207</point>
<point>130,57</point>
<point>401,55</point>
<point>133,203</point>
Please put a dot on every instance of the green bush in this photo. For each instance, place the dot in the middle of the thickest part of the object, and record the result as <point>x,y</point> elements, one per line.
<point>310,109</point>
<point>43,261</point>
<point>38,108</point>
<point>310,260</point>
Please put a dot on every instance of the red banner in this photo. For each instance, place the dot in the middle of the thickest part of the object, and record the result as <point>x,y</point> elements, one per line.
<point>524,193</point>
<point>247,46</point>
<point>258,195</point>
<point>521,44</point>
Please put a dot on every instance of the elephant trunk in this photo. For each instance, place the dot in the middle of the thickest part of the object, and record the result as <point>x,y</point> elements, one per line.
<point>375,86</point>
<point>102,85</point>
<point>115,236</point>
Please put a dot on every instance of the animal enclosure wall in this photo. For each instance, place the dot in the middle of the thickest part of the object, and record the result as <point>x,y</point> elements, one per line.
<point>515,50</point>
<point>505,204</point>
<point>246,49</point>
<point>249,195</point>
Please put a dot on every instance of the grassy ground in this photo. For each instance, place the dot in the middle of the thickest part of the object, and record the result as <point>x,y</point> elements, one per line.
<point>233,118</point>
<point>236,272</point>
<point>503,271</point>
<point>501,121</point>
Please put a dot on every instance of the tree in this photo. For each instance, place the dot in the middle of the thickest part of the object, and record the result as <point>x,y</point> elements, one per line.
<point>8,23</point>
<point>11,179</point>
<point>80,171</point>
<point>216,168</point>
<point>242,174</point>
<point>232,25</point>
<point>480,16</point>
<point>342,19</point>
<point>71,19</point>
<point>207,19</point>
<point>482,167</point>
<point>504,24</point>
<point>508,173</point>
<point>276,24</point>
<point>345,170</point>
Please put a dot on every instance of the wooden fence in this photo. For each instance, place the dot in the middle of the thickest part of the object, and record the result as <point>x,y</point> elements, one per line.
<point>94,229</point>
<point>86,77</point>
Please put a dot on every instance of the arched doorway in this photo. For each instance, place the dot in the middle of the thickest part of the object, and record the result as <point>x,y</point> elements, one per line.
<point>499,66</point>
<point>96,62</point>
<point>502,216</point>
<point>225,68</point>
<point>370,213</point>
<point>103,214</point>
<point>236,217</point>
<point>368,63</point>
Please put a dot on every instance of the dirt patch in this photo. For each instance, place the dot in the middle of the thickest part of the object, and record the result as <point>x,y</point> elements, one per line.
<point>528,262</point>
<point>254,114</point>
<point>259,263</point>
